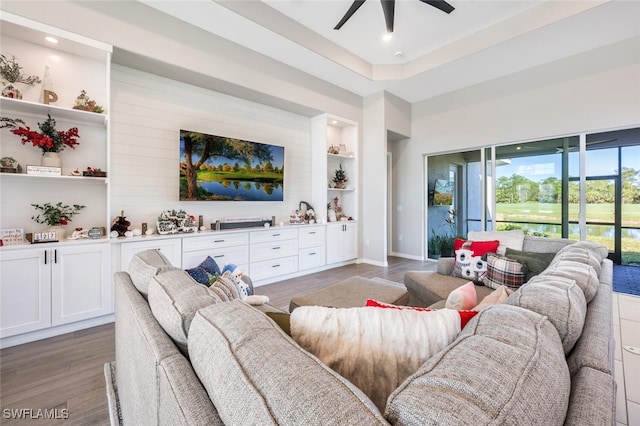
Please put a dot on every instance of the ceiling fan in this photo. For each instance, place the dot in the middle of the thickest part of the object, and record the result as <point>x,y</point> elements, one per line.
<point>388,7</point>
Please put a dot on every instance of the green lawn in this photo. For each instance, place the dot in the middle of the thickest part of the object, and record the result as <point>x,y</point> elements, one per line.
<point>551,213</point>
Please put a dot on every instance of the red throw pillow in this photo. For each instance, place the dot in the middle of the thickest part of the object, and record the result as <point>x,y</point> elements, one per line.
<point>470,258</point>
<point>465,316</point>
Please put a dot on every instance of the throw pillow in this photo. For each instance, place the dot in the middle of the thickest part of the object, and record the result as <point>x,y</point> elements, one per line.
<point>375,349</point>
<point>496,297</point>
<point>200,275</point>
<point>536,262</point>
<point>513,239</point>
<point>504,271</point>
<point>462,298</point>
<point>469,261</point>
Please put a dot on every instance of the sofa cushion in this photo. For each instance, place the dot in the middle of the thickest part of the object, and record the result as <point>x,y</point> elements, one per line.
<point>506,367</point>
<point>463,297</point>
<point>596,248</point>
<point>496,297</point>
<point>502,270</point>
<point>584,275</point>
<point>581,256</point>
<point>145,265</point>
<point>545,244</point>
<point>374,348</point>
<point>470,257</point>
<point>174,298</point>
<point>513,239</point>
<point>560,299</point>
<point>254,372</point>
<point>536,262</point>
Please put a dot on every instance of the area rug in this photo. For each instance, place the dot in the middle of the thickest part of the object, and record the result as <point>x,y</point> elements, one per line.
<point>626,279</point>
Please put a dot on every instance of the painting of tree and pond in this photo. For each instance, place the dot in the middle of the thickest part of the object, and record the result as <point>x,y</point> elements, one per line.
<point>219,168</point>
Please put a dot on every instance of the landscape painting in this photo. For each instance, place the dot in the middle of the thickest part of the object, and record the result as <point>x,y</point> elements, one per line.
<point>220,168</point>
<point>443,193</point>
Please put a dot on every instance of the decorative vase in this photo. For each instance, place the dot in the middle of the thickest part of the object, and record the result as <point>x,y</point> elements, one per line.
<point>59,230</point>
<point>51,159</point>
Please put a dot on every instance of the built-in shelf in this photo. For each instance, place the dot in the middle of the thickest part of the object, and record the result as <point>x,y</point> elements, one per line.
<point>341,157</point>
<point>57,112</point>
<point>75,178</point>
<point>341,189</point>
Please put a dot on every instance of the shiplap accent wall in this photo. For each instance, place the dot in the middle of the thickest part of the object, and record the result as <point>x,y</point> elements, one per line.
<point>147,113</point>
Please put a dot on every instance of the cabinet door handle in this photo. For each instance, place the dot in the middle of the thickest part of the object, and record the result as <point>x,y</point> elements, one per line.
<point>55,256</point>
<point>45,257</point>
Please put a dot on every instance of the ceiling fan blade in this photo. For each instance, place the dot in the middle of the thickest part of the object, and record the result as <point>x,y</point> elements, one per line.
<point>354,6</point>
<point>388,7</point>
<point>440,4</point>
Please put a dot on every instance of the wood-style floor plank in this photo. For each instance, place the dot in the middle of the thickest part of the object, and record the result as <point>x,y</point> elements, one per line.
<point>66,372</point>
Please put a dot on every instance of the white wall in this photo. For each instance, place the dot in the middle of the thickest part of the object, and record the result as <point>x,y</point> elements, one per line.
<point>147,113</point>
<point>589,92</point>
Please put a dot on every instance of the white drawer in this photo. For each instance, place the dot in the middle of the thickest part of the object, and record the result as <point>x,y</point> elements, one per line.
<point>274,234</point>
<point>273,250</point>
<point>311,236</point>
<point>215,241</point>
<point>311,257</point>
<point>238,255</point>
<point>273,268</point>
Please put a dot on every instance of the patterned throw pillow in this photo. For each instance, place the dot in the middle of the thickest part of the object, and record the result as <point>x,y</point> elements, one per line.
<point>504,271</point>
<point>205,272</point>
<point>470,260</point>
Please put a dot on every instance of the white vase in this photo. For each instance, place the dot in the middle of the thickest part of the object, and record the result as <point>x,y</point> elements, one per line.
<point>51,159</point>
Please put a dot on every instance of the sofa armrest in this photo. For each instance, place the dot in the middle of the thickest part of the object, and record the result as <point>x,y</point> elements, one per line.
<point>445,265</point>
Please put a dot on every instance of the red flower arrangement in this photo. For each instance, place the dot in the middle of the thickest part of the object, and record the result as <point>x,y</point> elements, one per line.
<point>48,139</point>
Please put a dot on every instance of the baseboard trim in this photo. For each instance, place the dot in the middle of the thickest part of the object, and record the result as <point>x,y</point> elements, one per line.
<point>407,256</point>
<point>21,339</point>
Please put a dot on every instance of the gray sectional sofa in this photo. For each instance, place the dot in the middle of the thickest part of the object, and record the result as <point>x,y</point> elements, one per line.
<point>509,365</point>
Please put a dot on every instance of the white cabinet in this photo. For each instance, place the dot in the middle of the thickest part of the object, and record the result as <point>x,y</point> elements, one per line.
<point>171,248</point>
<point>25,291</point>
<point>47,287</point>
<point>80,283</point>
<point>223,248</point>
<point>273,253</point>
<point>311,244</point>
<point>341,242</point>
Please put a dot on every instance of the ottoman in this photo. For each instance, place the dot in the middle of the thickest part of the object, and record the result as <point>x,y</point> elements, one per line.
<point>353,292</point>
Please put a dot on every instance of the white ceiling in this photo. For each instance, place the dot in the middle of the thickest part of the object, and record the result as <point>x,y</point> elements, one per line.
<point>479,41</point>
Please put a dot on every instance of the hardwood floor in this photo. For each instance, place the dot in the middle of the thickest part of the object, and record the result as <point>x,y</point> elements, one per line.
<point>64,374</point>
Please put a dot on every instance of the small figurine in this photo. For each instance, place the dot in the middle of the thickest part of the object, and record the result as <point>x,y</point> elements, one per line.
<point>120,225</point>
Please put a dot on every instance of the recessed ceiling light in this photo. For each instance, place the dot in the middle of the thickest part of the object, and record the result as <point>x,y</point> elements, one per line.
<point>51,39</point>
<point>387,36</point>
<point>399,54</point>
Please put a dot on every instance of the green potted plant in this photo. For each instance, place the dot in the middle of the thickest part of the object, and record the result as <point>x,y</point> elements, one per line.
<point>55,215</point>
<point>435,246</point>
<point>340,178</point>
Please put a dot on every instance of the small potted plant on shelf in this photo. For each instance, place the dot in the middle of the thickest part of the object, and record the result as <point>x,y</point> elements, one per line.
<point>11,73</point>
<point>340,178</point>
<point>48,139</point>
<point>55,215</point>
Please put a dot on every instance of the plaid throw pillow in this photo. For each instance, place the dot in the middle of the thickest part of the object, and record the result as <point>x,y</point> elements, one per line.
<point>504,271</point>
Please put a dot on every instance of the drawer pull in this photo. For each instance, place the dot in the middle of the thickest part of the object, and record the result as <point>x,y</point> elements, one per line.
<point>218,241</point>
<point>275,248</point>
<point>275,235</point>
<point>312,232</point>
<point>218,256</point>
<point>275,266</point>
<point>313,254</point>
